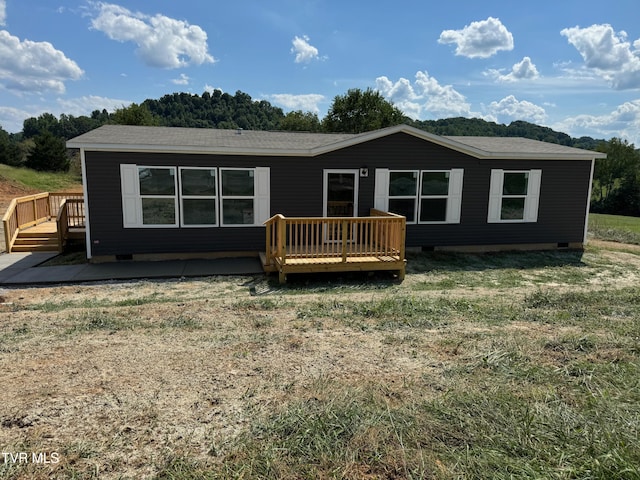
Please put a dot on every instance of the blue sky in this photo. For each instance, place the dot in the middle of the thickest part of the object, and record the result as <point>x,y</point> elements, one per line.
<point>571,65</point>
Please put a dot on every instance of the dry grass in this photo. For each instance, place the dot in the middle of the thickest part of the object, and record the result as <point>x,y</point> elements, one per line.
<point>207,379</point>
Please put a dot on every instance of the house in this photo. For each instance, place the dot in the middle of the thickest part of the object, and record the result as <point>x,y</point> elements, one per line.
<point>182,191</point>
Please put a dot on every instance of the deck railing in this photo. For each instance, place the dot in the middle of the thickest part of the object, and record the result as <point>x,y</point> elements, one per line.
<point>31,210</point>
<point>335,240</point>
<point>70,215</point>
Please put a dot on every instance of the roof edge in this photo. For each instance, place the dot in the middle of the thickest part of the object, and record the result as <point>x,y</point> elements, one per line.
<point>447,142</point>
<point>450,143</point>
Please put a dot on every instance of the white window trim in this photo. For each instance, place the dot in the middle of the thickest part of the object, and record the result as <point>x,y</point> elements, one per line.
<point>132,200</point>
<point>325,187</point>
<point>416,175</point>
<point>454,196</point>
<point>531,200</point>
<point>261,196</point>
<point>198,197</point>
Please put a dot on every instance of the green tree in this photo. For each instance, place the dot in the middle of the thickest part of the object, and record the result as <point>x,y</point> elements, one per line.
<point>134,114</point>
<point>10,153</point>
<point>299,121</point>
<point>46,122</point>
<point>49,153</point>
<point>622,162</point>
<point>359,111</point>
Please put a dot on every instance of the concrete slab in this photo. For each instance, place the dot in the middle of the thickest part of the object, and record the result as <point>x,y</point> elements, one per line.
<point>40,275</point>
<point>12,264</point>
<point>22,269</point>
<point>130,270</point>
<point>24,260</point>
<point>223,266</point>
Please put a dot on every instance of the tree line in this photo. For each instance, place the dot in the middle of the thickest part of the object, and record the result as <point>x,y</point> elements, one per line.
<point>41,143</point>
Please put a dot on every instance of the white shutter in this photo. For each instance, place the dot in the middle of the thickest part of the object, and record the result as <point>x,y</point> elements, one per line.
<point>263,196</point>
<point>533,196</point>
<point>455,195</point>
<point>131,214</point>
<point>381,190</point>
<point>495,196</point>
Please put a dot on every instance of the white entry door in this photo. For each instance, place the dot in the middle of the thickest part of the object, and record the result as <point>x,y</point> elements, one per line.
<point>341,193</point>
<point>340,200</point>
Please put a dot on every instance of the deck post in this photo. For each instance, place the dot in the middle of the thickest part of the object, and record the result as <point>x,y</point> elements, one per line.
<point>282,239</point>
<point>345,226</point>
<point>268,249</point>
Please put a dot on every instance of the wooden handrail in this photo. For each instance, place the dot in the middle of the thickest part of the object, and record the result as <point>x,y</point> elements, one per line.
<point>380,235</point>
<point>10,225</point>
<point>30,210</point>
<point>62,225</point>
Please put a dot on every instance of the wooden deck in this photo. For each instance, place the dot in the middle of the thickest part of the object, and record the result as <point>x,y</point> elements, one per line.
<point>335,244</point>
<point>43,222</point>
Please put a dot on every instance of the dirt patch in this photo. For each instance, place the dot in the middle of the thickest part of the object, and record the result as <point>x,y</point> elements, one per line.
<point>615,245</point>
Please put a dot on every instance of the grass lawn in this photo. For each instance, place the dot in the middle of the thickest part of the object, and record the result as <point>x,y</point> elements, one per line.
<point>615,228</point>
<point>510,365</point>
<point>40,181</point>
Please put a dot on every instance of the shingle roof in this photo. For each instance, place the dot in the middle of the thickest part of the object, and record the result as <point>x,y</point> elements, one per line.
<point>511,145</point>
<point>206,138</point>
<point>251,142</point>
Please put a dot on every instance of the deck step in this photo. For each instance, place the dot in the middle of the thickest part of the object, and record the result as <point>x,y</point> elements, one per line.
<point>36,234</point>
<point>35,242</point>
<point>34,248</point>
<point>26,247</point>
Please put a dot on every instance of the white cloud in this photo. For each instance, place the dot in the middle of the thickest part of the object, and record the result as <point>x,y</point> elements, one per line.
<point>34,67</point>
<point>3,12</point>
<point>210,89</point>
<point>607,53</point>
<point>510,108</point>
<point>425,98</point>
<point>12,119</point>
<point>307,102</point>
<point>623,122</point>
<point>304,51</point>
<point>162,41</point>
<point>524,70</point>
<point>181,80</point>
<point>87,104</point>
<point>481,39</point>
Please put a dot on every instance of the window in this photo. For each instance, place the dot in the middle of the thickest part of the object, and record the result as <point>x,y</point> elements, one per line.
<point>157,186</point>
<point>514,196</point>
<point>403,187</point>
<point>434,193</point>
<point>198,197</point>
<point>427,196</point>
<point>195,197</point>
<point>238,195</point>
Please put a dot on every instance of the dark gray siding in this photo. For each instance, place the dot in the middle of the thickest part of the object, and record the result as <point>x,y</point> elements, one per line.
<point>108,237</point>
<point>296,190</point>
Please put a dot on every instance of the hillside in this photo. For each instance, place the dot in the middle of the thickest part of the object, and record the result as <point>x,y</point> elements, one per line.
<point>222,110</point>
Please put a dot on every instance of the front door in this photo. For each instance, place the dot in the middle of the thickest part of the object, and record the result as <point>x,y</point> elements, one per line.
<point>340,200</point>
<point>340,193</point>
